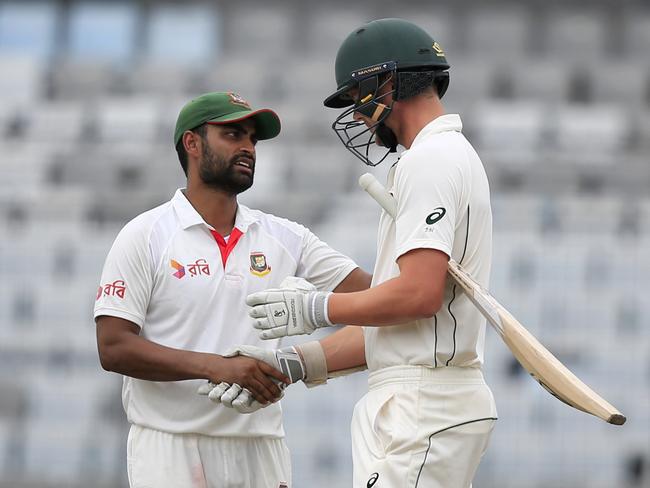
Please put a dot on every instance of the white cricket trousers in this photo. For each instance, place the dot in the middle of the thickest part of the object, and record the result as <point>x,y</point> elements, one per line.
<point>158,459</point>
<point>420,427</point>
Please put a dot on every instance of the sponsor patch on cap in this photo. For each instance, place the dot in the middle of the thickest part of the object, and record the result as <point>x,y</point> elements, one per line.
<point>238,100</point>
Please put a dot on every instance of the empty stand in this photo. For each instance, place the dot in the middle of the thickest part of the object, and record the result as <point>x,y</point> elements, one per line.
<point>555,98</point>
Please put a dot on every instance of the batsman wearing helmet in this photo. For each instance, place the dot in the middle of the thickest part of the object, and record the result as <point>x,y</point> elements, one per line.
<point>428,415</point>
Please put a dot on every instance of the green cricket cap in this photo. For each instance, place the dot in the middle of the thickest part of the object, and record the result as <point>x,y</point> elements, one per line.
<point>225,108</point>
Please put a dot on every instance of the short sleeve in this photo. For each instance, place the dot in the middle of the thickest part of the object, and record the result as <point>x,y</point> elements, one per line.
<point>321,265</point>
<point>429,192</point>
<point>127,277</point>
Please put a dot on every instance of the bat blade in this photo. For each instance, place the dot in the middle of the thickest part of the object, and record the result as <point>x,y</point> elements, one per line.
<point>538,361</point>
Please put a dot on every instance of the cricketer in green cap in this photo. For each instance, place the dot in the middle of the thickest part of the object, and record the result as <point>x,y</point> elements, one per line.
<point>223,108</point>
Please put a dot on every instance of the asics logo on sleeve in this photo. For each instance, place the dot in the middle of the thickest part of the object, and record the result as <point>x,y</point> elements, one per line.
<point>435,216</point>
<point>372,480</point>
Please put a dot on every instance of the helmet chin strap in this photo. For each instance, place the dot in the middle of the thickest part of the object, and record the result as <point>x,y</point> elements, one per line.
<point>385,134</point>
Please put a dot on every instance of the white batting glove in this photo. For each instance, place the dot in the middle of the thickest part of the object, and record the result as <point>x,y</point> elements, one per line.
<point>294,308</point>
<point>234,396</point>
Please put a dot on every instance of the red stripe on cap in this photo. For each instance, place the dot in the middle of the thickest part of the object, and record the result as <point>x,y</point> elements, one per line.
<point>226,247</point>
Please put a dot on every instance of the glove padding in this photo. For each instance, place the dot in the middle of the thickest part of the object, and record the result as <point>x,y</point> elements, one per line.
<point>241,399</point>
<point>294,308</point>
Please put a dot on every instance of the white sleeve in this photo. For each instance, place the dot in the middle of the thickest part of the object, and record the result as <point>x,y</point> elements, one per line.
<point>127,278</point>
<point>429,193</point>
<point>321,265</point>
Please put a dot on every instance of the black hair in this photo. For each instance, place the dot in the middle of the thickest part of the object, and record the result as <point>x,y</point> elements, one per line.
<point>201,131</point>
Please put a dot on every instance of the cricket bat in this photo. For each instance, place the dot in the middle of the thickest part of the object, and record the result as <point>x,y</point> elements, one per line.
<point>531,354</point>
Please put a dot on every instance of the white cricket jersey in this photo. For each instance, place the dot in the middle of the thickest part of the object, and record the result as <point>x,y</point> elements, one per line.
<point>170,273</point>
<point>443,203</point>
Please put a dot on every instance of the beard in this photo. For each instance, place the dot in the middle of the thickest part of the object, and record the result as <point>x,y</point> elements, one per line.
<point>220,173</point>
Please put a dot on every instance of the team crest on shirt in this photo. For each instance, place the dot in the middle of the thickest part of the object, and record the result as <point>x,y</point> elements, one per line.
<point>259,266</point>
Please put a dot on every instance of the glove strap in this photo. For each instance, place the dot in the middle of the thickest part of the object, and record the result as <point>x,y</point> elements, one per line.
<point>290,363</point>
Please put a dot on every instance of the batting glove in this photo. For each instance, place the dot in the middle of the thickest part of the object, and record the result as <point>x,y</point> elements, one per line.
<point>234,396</point>
<point>293,309</point>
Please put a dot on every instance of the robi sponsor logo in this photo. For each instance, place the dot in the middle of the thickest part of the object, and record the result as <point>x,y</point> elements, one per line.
<point>197,268</point>
<point>115,289</point>
<point>180,269</point>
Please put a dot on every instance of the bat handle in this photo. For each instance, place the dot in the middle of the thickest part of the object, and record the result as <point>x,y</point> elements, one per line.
<point>377,191</point>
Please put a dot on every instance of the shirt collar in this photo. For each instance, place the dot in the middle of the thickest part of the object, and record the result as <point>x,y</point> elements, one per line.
<point>188,216</point>
<point>443,123</point>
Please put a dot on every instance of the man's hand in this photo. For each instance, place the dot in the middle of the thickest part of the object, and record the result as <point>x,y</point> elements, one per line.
<point>294,308</point>
<point>257,376</point>
<point>241,399</point>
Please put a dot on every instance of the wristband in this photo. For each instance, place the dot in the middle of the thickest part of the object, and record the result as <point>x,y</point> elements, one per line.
<point>318,314</point>
<point>313,358</point>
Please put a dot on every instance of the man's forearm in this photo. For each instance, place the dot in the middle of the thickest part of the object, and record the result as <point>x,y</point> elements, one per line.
<point>344,349</point>
<point>394,301</point>
<point>140,358</point>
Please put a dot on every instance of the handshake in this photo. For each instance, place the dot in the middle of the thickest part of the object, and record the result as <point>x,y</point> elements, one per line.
<point>287,360</point>
<point>294,308</point>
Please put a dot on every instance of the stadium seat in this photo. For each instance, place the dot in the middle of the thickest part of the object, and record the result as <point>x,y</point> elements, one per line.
<point>500,29</point>
<point>25,166</point>
<point>623,83</point>
<point>636,34</point>
<point>245,34</point>
<point>513,131</point>
<point>81,80</point>
<point>596,134</point>
<point>327,27</point>
<point>237,74</point>
<point>470,82</point>
<point>576,35</point>
<point>103,31</point>
<point>60,122</point>
<point>163,80</point>
<point>591,214</point>
<point>127,119</point>
<point>28,28</point>
<point>184,35</point>
<point>22,79</point>
<point>543,80</point>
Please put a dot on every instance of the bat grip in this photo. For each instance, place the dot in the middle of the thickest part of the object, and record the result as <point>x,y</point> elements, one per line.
<point>379,193</point>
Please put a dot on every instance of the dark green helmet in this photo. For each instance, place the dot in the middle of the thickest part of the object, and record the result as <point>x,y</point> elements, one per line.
<point>370,48</point>
<point>386,60</point>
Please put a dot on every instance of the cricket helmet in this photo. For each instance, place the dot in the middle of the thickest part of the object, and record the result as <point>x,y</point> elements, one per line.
<point>382,51</point>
